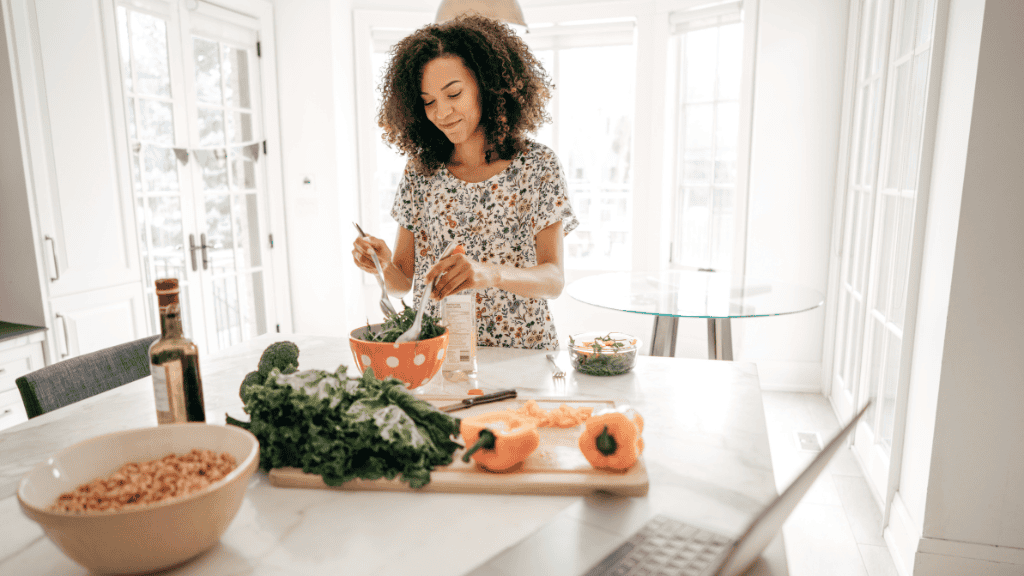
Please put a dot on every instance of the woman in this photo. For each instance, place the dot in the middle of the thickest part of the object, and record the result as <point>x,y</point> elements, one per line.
<point>458,99</point>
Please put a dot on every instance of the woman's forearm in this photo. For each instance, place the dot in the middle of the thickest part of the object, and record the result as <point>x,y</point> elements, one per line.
<point>544,281</point>
<point>397,282</point>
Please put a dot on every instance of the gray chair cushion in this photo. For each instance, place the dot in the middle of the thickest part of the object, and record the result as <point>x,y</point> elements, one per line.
<point>83,376</point>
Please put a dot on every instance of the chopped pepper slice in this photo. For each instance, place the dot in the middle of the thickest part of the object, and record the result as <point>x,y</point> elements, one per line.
<point>611,439</point>
<point>498,441</point>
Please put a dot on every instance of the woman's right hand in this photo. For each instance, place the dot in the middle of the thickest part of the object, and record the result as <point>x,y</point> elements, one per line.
<point>362,247</point>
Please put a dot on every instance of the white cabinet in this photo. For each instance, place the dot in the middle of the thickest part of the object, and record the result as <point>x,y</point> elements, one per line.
<point>67,228</point>
<point>19,355</point>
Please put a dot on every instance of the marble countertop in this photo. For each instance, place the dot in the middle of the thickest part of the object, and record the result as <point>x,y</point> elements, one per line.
<point>706,454</point>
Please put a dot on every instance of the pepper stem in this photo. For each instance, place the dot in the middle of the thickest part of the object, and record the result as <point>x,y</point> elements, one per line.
<point>486,440</point>
<point>606,443</point>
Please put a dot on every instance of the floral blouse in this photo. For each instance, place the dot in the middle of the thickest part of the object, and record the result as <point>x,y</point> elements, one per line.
<point>496,221</point>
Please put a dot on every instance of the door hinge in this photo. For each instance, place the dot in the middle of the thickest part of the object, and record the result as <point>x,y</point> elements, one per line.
<point>278,327</point>
<point>258,55</point>
<point>264,147</point>
<point>271,237</point>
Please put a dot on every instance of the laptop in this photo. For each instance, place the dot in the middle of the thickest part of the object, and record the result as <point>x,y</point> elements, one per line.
<point>667,546</point>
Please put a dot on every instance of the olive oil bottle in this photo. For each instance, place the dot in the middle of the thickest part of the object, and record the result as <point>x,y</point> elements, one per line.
<point>174,363</point>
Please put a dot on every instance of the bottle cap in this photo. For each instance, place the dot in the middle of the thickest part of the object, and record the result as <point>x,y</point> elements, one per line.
<point>166,291</point>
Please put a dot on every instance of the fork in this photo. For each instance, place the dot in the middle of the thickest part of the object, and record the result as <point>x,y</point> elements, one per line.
<point>385,304</point>
<point>557,376</point>
<point>413,333</point>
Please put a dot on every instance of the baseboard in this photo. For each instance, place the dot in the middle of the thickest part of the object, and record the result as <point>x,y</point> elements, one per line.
<point>789,376</point>
<point>902,537</point>
<point>915,555</point>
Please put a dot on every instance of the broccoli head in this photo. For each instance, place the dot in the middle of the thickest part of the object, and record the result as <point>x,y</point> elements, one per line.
<point>281,355</point>
<point>251,379</point>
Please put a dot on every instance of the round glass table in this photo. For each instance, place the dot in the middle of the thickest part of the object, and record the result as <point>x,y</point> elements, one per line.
<point>669,295</point>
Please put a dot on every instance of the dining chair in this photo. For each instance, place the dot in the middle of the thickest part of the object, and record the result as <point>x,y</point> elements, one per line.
<point>81,377</point>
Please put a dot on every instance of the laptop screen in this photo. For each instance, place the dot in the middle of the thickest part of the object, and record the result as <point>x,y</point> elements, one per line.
<point>768,524</point>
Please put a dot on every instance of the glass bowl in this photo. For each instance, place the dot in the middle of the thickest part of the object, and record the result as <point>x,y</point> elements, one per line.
<point>603,353</point>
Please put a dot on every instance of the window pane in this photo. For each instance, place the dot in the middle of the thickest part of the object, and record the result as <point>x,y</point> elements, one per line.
<point>243,171</point>
<point>910,175</point>
<point>708,132</point>
<point>701,63</point>
<point>908,27</point>
<point>157,122</point>
<point>207,70</point>
<point>161,169</point>
<point>897,141</point>
<point>149,48</point>
<point>595,148</point>
<point>236,77</point>
<point>730,61</point>
<point>123,48</point>
<point>211,127</point>
<point>239,127</point>
<point>213,166</point>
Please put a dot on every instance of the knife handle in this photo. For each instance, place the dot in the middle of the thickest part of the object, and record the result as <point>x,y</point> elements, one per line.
<point>492,397</point>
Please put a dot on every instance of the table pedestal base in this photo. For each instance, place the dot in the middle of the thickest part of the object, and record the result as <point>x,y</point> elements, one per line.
<point>720,338</point>
<point>663,337</point>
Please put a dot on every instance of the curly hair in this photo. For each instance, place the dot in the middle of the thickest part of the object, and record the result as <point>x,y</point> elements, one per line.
<point>514,87</point>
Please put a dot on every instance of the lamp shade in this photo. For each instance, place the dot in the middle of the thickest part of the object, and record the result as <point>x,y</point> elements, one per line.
<point>504,10</point>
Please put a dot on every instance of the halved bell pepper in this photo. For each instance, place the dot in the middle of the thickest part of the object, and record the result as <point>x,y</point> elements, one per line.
<point>611,439</point>
<point>498,441</point>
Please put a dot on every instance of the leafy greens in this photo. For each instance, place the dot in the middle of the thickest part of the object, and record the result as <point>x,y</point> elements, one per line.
<point>395,324</point>
<point>344,428</point>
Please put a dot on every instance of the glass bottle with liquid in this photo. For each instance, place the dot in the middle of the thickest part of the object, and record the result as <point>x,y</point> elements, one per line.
<point>458,312</point>
<point>174,363</point>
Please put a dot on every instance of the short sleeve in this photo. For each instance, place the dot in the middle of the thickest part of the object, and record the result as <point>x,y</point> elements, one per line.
<point>550,193</point>
<point>408,205</point>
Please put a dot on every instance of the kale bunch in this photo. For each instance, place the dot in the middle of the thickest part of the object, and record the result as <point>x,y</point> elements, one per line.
<point>395,324</point>
<point>344,428</point>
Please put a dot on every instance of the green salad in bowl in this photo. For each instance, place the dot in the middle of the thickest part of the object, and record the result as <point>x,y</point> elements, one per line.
<point>603,353</point>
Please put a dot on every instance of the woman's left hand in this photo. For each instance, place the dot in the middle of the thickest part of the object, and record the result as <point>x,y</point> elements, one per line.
<point>457,272</point>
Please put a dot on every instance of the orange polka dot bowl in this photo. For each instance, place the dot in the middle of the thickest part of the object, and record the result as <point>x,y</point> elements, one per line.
<point>414,363</point>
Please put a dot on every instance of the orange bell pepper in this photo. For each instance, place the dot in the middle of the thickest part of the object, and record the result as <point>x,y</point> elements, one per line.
<point>611,439</point>
<point>499,441</point>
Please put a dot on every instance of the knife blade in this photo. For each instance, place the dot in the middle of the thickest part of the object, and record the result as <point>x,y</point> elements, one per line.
<point>470,402</point>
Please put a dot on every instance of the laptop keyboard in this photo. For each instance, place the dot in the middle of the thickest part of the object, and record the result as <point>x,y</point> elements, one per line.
<point>664,547</point>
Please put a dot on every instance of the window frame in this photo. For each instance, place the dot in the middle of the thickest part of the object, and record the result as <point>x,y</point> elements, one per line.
<point>653,142</point>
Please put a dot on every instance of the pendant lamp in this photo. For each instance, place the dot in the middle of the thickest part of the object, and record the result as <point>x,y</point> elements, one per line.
<point>505,10</point>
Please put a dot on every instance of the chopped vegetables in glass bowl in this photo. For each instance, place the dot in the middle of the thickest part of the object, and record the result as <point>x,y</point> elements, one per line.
<point>603,353</point>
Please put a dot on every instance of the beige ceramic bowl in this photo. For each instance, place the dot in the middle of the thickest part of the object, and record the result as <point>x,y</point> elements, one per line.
<point>149,538</point>
<point>414,363</point>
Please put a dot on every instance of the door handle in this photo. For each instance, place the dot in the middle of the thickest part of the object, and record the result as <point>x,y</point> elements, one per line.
<point>192,250</point>
<point>202,247</point>
<point>56,265</point>
<point>67,342</point>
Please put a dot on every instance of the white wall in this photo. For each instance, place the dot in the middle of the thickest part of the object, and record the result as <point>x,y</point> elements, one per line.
<point>318,142</point>
<point>960,506</point>
<point>801,56</point>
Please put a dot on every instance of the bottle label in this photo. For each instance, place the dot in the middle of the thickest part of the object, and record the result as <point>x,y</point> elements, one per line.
<point>169,389</point>
<point>160,388</point>
<point>459,311</point>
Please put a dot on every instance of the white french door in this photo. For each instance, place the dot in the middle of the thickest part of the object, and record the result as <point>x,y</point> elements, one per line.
<point>882,197</point>
<point>191,81</point>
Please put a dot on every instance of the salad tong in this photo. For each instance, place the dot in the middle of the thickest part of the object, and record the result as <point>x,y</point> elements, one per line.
<point>385,303</point>
<point>413,333</point>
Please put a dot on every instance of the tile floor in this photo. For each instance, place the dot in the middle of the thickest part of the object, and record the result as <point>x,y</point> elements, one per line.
<point>836,530</point>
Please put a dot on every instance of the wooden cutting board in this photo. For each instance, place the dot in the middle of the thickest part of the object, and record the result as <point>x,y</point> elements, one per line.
<point>556,467</point>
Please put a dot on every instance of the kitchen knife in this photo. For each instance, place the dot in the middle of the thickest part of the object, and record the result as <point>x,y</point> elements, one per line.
<point>469,402</point>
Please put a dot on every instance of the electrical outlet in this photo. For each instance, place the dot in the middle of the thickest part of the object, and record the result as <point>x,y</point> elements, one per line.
<point>808,441</point>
